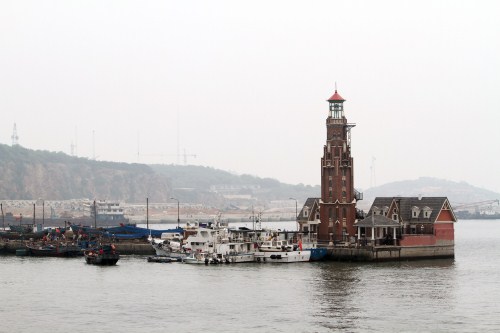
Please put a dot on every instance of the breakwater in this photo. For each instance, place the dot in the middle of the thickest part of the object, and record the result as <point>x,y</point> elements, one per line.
<point>126,248</point>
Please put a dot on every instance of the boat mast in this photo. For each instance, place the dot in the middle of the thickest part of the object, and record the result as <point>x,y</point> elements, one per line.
<point>3,217</point>
<point>95,215</point>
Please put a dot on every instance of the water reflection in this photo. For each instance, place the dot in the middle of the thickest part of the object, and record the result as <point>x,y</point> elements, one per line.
<point>382,296</point>
<point>336,286</point>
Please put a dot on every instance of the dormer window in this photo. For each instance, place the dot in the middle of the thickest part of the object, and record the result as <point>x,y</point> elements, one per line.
<point>306,211</point>
<point>385,210</point>
<point>375,210</point>
<point>415,211</point>
<point>427,212</point>
<point>394,217</point>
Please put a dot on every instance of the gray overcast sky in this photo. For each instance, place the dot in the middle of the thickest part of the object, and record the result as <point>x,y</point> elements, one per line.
<point>243,84</point>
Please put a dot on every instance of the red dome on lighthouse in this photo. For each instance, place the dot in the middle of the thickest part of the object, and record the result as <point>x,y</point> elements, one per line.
<point>336,97</point>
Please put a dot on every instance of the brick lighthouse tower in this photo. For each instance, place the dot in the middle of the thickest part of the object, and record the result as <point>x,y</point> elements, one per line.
<point>337,207</point>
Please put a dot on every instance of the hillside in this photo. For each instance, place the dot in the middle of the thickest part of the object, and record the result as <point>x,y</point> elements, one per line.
<point>29,175</point>
<point>457,192</point>
<point>206,182</point>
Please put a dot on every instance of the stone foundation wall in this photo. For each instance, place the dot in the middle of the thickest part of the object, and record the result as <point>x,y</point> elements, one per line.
<point>391,253</point>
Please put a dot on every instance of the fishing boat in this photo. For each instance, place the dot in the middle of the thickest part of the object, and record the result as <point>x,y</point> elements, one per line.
<point>205,258</point>
<point>133,231</point>
<point>196,258</point>
<point>237,248</point>
<point>169,245</point>
<point>283,256</point>
<point>281,251</point>
<point>25,229</point>
<point>161,259</point>
<point>104,255</point>
<point>54,250</point>
<point>237,257</point>
<point>217,244</point>
<point>276,245</point>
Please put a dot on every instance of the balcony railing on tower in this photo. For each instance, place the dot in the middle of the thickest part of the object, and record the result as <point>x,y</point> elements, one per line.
<point>358,195</point>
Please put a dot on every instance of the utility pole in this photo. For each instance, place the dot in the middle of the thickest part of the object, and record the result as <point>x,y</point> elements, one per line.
<point>178,219</point>
<point>3,217</point>
<point>296,216</point>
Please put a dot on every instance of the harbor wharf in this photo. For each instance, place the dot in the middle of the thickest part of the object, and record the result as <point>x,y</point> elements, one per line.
<point>389,253</point>
<point>11,246</point>
<point>337,253</point>
<point>133,248</point>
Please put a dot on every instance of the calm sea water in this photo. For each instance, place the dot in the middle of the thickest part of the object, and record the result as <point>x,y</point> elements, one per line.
<point>66,295</point>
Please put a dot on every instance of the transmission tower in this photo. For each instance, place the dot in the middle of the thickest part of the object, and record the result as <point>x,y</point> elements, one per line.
<point>15,137</point>
<point>373,181</point>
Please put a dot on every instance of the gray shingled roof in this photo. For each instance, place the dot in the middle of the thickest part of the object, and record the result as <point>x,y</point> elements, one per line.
<point>310,202</point>
<point>406,203</point>
<point>376,221</point>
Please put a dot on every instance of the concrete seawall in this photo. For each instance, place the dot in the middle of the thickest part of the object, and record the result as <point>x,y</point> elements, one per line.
<point>10,247</point>
<point>134,248</point>
<point>390,253</point>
